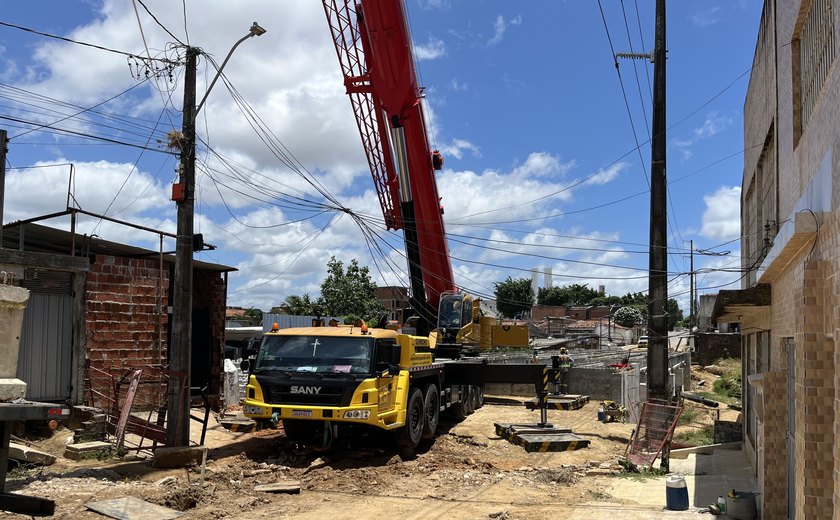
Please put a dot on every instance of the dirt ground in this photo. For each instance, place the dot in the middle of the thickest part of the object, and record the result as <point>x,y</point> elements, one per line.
<point>466,472</point>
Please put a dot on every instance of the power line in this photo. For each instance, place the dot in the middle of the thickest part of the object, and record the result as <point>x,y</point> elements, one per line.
<point>160,24</point>
<point>92,45</point>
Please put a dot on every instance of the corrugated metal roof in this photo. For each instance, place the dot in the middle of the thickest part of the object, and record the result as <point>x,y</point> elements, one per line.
<point>44,239</point>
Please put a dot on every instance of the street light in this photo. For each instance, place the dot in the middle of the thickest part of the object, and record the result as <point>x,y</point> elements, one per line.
<point>255,30</point>
<point>180,353</point>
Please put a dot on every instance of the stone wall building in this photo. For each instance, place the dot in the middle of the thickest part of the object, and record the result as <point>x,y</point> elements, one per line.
<point>790,221</point>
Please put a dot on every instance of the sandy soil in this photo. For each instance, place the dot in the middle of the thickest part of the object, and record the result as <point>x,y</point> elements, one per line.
<point>466,472</point>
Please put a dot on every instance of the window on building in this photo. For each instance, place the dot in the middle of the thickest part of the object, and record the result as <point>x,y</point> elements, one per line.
<point>813,53</point>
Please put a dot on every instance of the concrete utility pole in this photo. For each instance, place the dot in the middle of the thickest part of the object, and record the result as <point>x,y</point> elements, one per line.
<point>692,309</point>
<point>658,263</point>
<point>180,351</point>
<point>3,142</point>
<point>657,356</point>
<point>3,150</point>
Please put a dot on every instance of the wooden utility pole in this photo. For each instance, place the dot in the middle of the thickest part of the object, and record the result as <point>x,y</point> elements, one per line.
<point>180,351</point>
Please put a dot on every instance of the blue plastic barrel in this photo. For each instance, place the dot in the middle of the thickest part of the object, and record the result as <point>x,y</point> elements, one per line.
<point>676,494</point>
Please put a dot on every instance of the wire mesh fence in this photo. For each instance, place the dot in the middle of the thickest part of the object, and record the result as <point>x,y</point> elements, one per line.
<point>134,402</point>
<point>656,426</point>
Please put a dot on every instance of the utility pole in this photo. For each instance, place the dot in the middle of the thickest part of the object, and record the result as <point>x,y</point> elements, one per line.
<point>658,262</point>
<point>692,310</point>
<point>180,351</point>
<point>3,142</point>
<point>657,356</point>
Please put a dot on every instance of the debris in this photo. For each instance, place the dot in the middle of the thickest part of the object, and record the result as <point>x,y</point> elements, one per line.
<point>165,481</point>
<point>132,508</point>
<point>289,486</point>
<point>31,455</point>
<point>85,449</point>
<point>320,462</point>
<point>178,457</point>
<point>238,424</point>
<point>499,515</point>
<point>255,472</point>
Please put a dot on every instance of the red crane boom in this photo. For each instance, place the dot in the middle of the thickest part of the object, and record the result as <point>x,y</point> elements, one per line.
<point>373,43</point>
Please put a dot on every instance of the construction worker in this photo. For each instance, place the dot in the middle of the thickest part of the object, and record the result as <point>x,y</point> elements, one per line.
<point>564,366</point>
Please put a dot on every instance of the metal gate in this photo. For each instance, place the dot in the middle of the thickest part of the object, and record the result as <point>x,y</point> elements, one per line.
<point>45,361</point>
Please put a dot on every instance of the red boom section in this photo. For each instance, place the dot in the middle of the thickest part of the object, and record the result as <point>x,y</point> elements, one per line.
<point>373,44</point>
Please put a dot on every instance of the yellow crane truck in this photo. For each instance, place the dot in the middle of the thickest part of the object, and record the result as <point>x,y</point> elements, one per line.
<point>323,382</point>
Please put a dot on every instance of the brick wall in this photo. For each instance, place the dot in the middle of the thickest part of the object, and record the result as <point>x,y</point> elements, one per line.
<point>127,324</point>
<point>210,293</point>
<point>711,347</point>
<point>805,294</point>
<point>124,325</point>
<point>775,462</point>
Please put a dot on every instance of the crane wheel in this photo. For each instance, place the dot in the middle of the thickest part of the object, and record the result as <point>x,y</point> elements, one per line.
<point>479,396</point>
<point>409,435</point>
<point>469,400</point>
<point>431,411</point>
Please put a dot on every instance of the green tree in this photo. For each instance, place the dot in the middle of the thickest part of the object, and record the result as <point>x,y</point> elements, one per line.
<point>255,316</point>
<point>675,314</point>
<point>296,306</point>
<point>574,294</point>
<point>514,296</point>
<point>349,292</point>
<point>628,317</point>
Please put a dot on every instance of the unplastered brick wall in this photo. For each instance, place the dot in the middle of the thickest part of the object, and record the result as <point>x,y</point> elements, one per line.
<point>126,321</point>
<point>210,295</point>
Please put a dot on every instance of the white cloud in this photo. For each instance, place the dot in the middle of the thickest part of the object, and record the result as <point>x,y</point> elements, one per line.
<point>433,49</point>
<point>434,4</point>
<point>722,217</point>
<point>457,147</point>
<point>458,85</point>
<point>499,28</point>
<point>605,176</point>
<point>712,125</point>
<point>706,16</point>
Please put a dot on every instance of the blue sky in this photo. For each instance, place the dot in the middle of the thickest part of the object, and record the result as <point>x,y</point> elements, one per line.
<point>523,99</point>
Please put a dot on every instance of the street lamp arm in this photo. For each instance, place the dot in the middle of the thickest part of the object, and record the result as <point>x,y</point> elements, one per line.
<point>255,30</point>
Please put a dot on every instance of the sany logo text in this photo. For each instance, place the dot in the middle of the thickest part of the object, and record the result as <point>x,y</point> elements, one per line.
<point>305,389</point>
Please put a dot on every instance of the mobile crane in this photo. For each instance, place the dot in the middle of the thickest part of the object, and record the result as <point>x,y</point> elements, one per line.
<point>322,381</point>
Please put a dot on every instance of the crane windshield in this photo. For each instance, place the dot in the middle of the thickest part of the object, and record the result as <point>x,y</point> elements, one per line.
<point>324,354</point>
<point>450,313</point>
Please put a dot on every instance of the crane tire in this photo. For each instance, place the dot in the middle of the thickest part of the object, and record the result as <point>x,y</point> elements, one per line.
<point>431,407</point>
<point>469,400</point>
<point>409,435</point>
<point>479,396</point>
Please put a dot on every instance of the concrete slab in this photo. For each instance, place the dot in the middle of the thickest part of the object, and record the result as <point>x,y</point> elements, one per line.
<point>178,457</point>
<point>30,455</point>
<point>706,476</point>
<point>82,450</point>
<point>11,389</point>
<point>288,486</point>
<point>238,424</point>
<point>131,508</point>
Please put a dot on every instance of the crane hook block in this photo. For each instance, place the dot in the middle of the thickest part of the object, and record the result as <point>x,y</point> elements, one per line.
<point>437,160</point>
